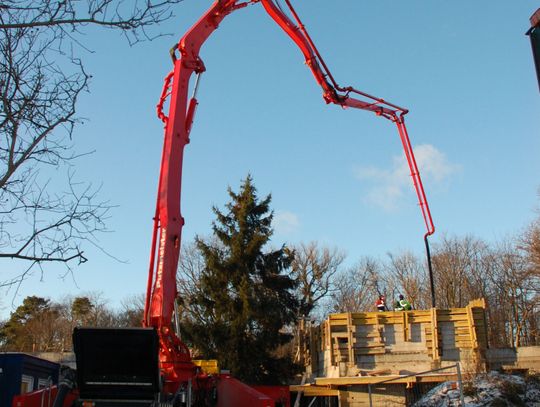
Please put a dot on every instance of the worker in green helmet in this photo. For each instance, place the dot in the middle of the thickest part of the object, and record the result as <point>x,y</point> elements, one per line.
<point>402,304</point>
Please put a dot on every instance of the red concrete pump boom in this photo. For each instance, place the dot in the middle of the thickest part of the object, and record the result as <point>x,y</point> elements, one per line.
<point>151,366</point>
<point>174,357</point>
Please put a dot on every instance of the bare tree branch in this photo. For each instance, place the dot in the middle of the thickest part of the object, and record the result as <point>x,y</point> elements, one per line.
<point>42,77</point>
<point>314,268</point>
<point>132,17</point>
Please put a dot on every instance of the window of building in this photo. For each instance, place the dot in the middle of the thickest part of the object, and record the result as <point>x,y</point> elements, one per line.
<point>44,383</point>
<point>27,384</point>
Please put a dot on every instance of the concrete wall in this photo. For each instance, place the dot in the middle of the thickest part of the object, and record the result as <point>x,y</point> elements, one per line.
<point>526,357</point>
<point>381,395</point>
<point>63,358</point>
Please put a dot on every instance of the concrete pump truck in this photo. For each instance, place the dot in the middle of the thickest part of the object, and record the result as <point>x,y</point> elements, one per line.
<point>151,366</point>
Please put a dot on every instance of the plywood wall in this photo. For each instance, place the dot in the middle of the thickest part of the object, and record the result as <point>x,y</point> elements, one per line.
<point>372,340</point>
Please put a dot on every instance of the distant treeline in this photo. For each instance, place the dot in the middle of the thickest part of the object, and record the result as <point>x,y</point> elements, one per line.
<point>506,275</point>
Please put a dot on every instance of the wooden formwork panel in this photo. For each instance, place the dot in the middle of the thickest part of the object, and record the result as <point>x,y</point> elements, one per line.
<point>349,335</point>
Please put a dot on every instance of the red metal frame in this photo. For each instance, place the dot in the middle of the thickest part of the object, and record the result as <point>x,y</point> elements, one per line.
<point>43,397</point>
<point>233,393</point>
<point>280,394</point>
<point>174,356</point>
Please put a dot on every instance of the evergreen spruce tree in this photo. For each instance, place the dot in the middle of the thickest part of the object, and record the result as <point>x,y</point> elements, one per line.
<point>246,298</point>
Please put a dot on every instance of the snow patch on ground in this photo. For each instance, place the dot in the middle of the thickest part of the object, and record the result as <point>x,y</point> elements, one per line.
<point>493,389</point>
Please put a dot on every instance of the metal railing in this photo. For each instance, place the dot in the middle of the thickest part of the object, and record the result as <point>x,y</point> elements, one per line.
<point>47,394</point>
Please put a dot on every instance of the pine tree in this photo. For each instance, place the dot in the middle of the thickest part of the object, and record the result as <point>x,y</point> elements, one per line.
<point>246,299</point>
<point>81,307</point>
<point>16,334</point>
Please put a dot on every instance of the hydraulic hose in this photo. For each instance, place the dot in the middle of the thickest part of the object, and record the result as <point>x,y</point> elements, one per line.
<point>66,384</point>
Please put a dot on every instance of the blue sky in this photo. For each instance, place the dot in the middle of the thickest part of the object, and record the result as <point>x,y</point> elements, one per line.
<point>464,69</point>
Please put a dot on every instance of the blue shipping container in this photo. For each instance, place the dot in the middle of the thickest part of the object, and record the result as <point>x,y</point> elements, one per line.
<point>22,373</point>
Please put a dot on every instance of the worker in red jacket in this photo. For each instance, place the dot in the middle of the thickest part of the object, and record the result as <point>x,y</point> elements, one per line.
<point>380,303</point>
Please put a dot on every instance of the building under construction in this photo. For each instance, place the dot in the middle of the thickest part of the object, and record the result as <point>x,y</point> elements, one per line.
<point>386,358</point>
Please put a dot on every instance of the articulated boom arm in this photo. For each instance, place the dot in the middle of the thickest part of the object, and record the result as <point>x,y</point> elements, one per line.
<point>333,93</point>
<point>161,291</point>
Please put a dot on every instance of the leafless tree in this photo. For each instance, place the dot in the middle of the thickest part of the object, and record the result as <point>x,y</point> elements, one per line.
<point>314,268</point>
<point>101,315</point>
<point>354,290</point>
<point>406,274</point>
<point>190,268</point>
<point>188,280</point>
<point>462,267</point>
<point>530,243</point>
<point>46,214</point>
<point>516,298</point>
<point>467,268</point>
<point>132,17</point>
<point>131,313</point>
